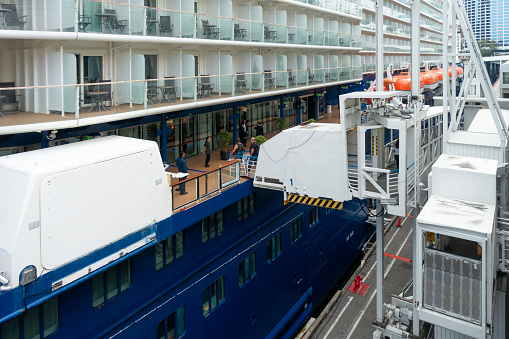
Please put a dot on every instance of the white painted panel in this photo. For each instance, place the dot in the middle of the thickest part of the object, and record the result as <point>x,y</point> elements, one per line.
<point>122,91</point>
<point>138,73</point>
<point>89,207</point>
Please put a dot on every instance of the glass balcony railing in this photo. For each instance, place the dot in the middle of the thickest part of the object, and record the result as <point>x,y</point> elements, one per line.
<point>106,17</point>
<point>342,6</point>
<point>109,97</point>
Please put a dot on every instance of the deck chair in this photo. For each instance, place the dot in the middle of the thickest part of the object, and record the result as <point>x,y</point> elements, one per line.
<point>115,23</point>
<point>12,19</point>
<point>165,25</point>
<point>10,99</point>
<point>172,92</point>
<point>106,88</point>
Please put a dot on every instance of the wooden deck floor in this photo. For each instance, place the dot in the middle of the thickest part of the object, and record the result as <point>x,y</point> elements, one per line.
<point>196,167</point>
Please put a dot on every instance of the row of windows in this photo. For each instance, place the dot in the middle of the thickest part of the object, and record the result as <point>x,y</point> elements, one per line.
<point>296,230</point>
<point>247,269</point>
<point>107,285</point>
<point>173,326</point>
<point>168,250</point>
<point>246,206</point>
<point>38,322</point>
<point>212,226</point>
<point>213,296</point>
<point>274,248</point>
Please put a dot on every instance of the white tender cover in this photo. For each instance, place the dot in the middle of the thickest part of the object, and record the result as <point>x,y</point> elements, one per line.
<point>61,203</point>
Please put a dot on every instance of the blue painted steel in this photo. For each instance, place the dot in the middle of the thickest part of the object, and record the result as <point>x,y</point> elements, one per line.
<point>276,330</point>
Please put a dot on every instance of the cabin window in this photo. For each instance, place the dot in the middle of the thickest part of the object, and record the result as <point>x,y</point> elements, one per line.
<point>313,216</point>
<point>114,280</point>
<point>274,248</point>
<point>213,296</point>
<point>246,206</point>
<point>173,326</point>
<point>167,250</point>
<point>38,322</point>
<point>247,269</point>
<point>296,230</point>
<point>211,226</point>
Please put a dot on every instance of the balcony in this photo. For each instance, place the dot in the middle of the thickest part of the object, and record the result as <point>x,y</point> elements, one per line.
<point>67,103</point>
<point>341,6</point>
<point>113,18</point>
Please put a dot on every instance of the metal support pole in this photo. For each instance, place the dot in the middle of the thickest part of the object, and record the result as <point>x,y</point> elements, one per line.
<point>315,102</point>
<point>445,82</point>
<point>379,19</point>
<point>416,52</point>
<point>281,106</point>
<point>235,122</point>
<point>379,261</point>
<point>164,138</point>
<point>416,266</point>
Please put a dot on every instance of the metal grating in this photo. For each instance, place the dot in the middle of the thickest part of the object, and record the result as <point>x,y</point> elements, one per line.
<point>452,285</point>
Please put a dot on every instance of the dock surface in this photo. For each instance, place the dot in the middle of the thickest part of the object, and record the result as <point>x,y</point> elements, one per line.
<point>350,314</point>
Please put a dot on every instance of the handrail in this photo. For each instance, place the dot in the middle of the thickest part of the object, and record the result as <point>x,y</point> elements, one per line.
<point>229,163</point>
<point>174,78</point>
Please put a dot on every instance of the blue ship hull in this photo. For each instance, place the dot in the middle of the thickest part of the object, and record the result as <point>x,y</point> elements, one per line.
<point>273,302</point>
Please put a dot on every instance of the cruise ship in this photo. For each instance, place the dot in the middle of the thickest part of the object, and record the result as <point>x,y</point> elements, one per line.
<point>93,243</point>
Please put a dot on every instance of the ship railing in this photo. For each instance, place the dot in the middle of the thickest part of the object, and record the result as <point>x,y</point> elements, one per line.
<point>204,185</point>
<point>149,96</point>
<point>114,17</point>
<point>247,164</point>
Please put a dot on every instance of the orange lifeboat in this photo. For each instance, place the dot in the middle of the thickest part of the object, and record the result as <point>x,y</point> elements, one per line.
<point>439,73</point>
<point>403,82</point>
<point>430,79</point>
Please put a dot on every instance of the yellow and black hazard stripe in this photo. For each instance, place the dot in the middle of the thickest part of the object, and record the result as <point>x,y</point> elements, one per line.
<point>327,203</point>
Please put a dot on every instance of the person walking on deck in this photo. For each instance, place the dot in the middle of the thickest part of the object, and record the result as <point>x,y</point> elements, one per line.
<point>182,167</point>
<point>207,151</point>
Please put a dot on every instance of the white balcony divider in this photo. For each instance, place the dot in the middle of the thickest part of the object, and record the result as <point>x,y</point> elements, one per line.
<point>256,29</point>
<point>256,66</point>
<point>188,85</point>
<point>281,29</point>
<point>69,64</point>
<point>302,35</point>
<point>138,73</point>
<point>302,64</point>
<point>136,17</point>
<point>187,20</point>
<point>122,90</point>
<point>226,24</point>
<point>226,68</point>
<point>281,67</point>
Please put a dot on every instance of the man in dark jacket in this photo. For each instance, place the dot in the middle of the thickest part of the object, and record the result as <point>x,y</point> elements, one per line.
<point>182,167</point>
<point>259,129</point>
<point>207,152</point>
<point>243,132</point>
